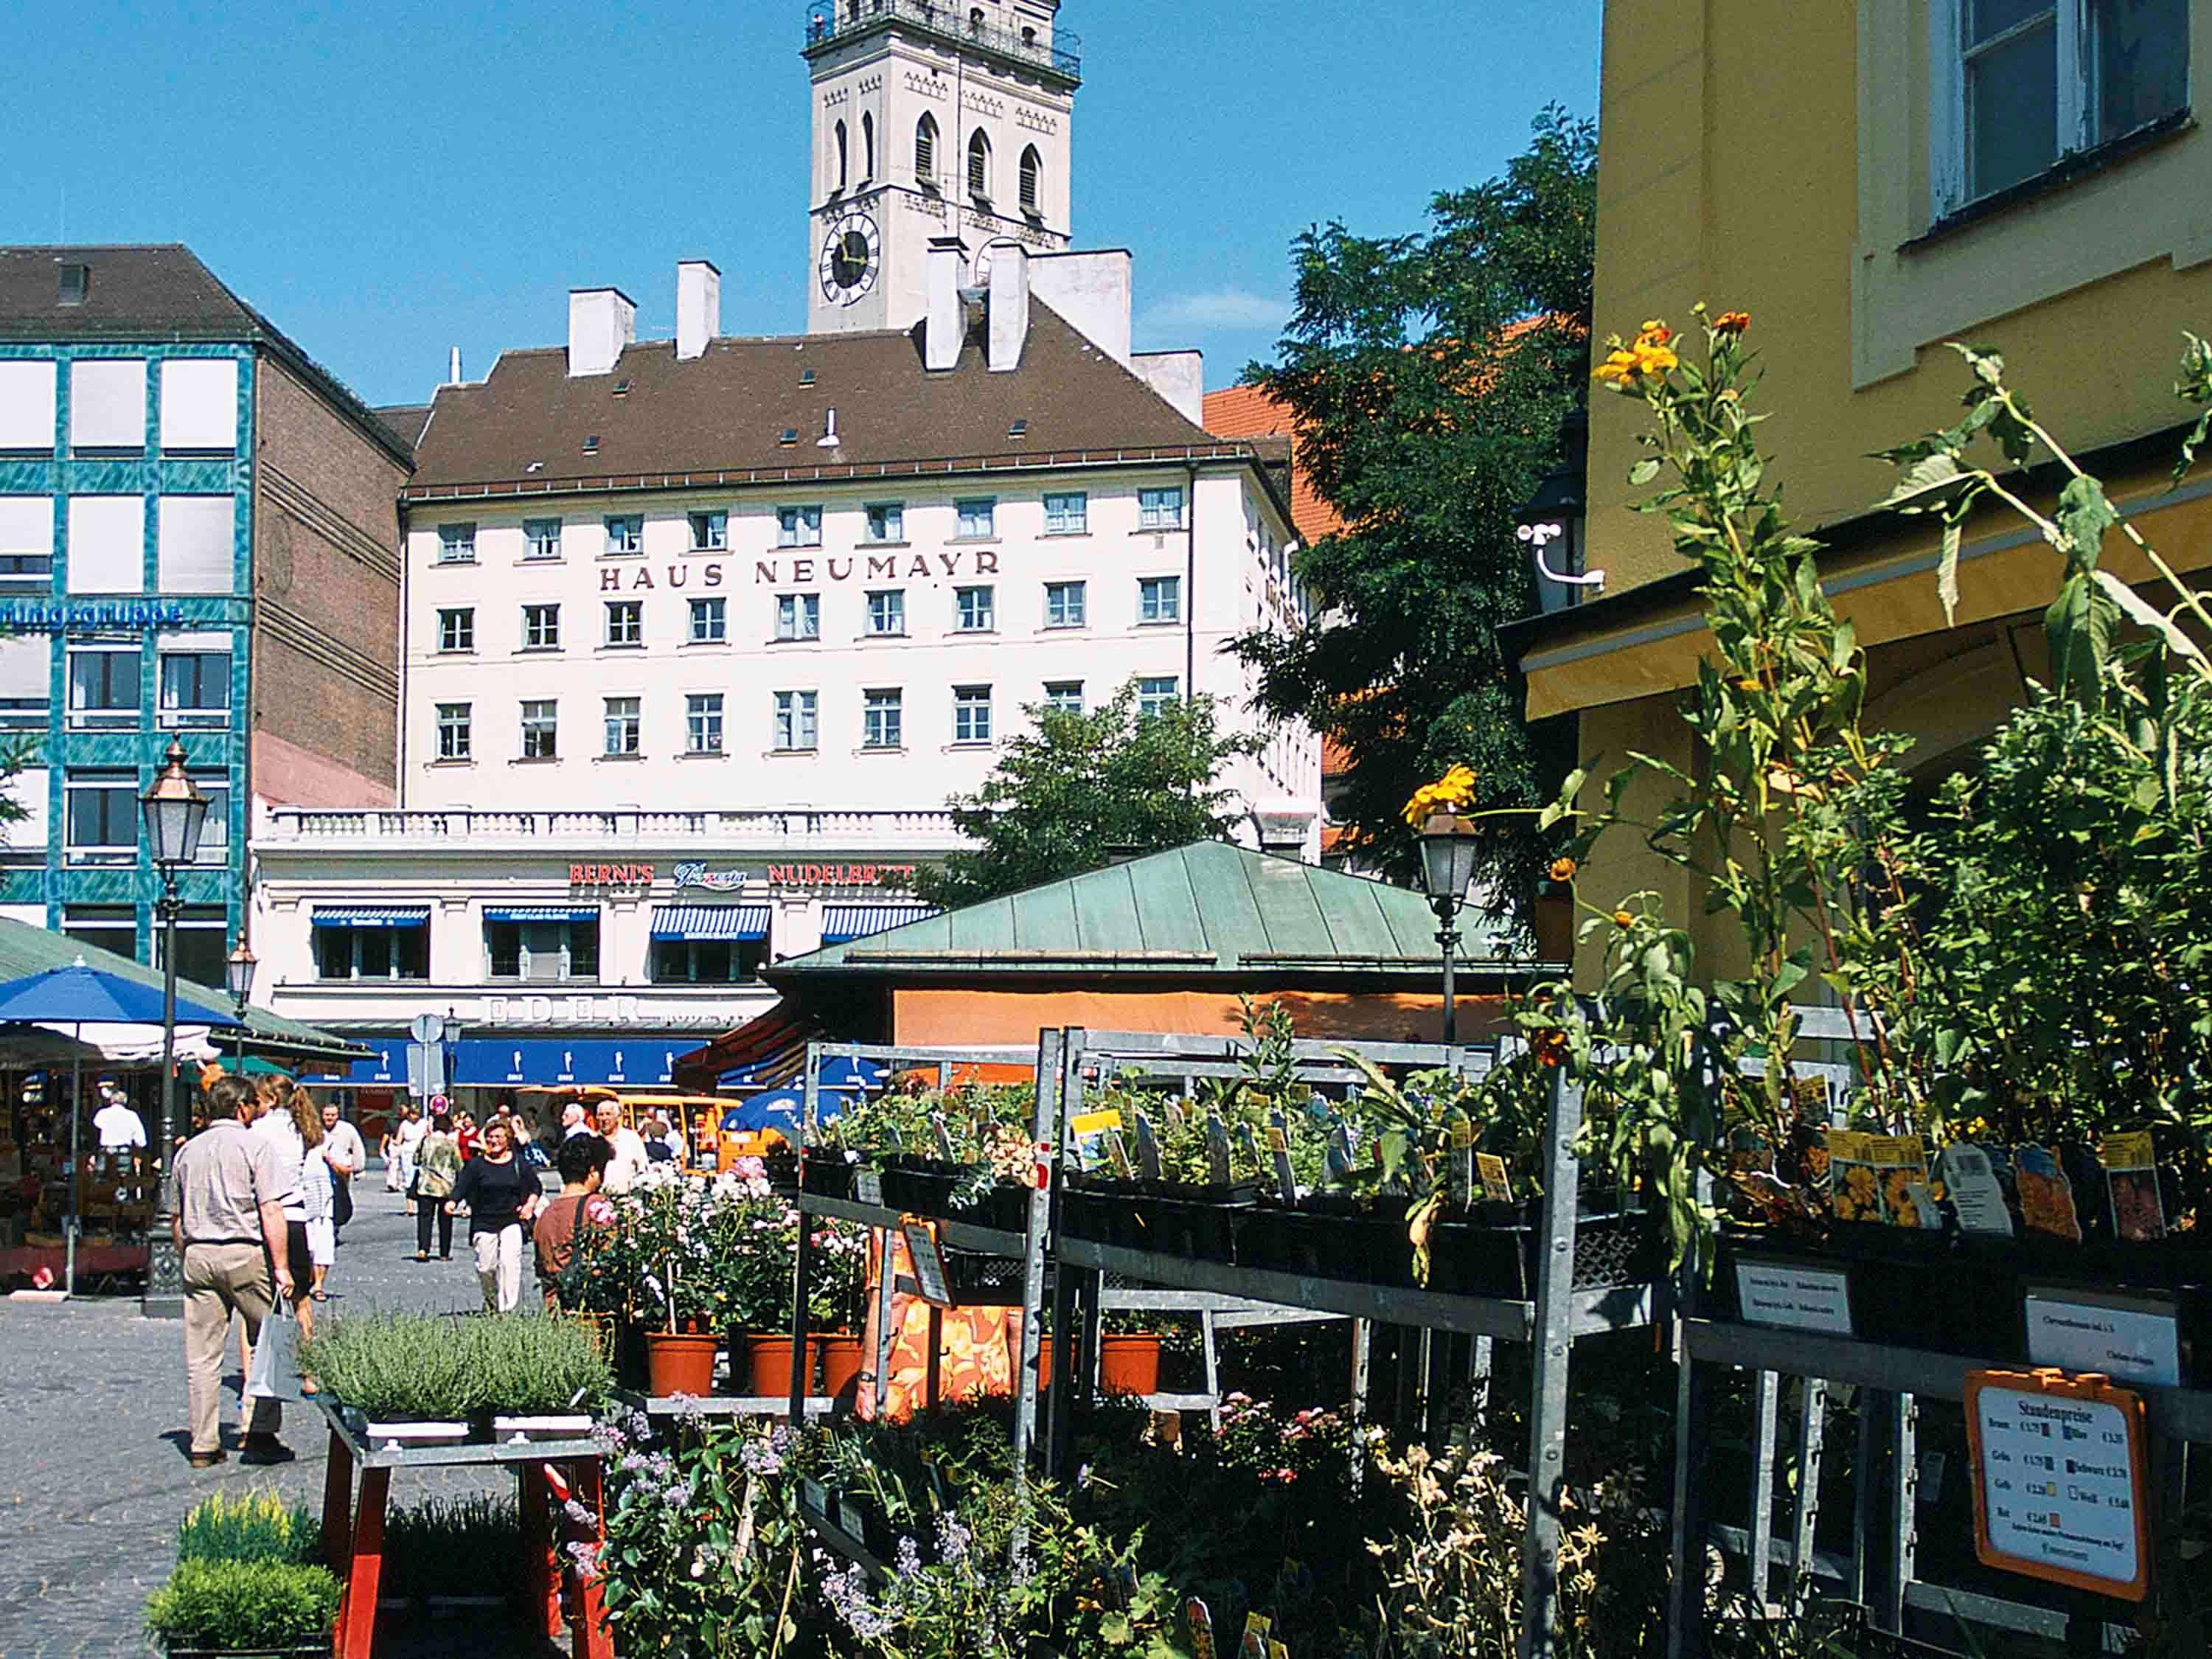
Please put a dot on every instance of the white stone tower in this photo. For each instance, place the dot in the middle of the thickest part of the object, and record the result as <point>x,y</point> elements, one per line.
<point>931,120</point>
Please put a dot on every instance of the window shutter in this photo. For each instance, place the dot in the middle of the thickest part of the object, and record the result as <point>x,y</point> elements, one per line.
<point>107,543</point>
<point>26,668</point>
<point>28,789</point>
<point>26,405</point>
<point>196,544</point>
<point>26,524</point>
<point>199,404</point>
<point>108,403</point>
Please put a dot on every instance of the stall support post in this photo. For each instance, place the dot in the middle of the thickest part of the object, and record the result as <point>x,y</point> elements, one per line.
<point>888,1243</point>
<point>1766,1396</point>
<point>803,1257</point>
<point>1812,1432</point>
<point>365,1567</point>
<point>1901,1419</point>
<point>1054,1049</point>
<point>1552,1349</point>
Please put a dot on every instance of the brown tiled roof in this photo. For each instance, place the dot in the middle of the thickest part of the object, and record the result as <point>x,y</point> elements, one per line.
<point>1245,411</point>
<point>405,422</point>
<point>724,412</point>
<point>156,291</point>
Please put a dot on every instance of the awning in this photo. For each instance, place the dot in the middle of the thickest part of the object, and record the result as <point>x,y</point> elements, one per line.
<point>767,1049</point>
<point>372,915</point>
<point>710,922</point>
<point>541,913</point>
<point>843,923</point>
<point>385,1068</point>
<point>514,1062</point>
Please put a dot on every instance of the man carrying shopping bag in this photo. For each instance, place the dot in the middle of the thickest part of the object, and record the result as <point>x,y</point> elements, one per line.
<point>230,1230</point>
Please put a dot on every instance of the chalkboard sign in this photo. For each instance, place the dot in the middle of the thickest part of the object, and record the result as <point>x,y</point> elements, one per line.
<point>921,1248</point>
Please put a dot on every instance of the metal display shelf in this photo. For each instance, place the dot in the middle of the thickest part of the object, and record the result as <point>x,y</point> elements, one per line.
<point>961,1234</point>
<point>721,1405</point>
<point>450,1453</point>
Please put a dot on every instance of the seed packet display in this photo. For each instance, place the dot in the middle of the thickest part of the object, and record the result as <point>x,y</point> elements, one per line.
<point>1882,1178</point>
<point>2047,1196</point>
<point>1977,1194</point>
<point>2131,1182</point>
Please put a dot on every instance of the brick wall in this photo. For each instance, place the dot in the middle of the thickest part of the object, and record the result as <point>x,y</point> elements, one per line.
<point>326,613</point>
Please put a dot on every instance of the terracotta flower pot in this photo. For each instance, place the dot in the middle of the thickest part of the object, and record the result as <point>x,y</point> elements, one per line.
<point>768,1365</point>
<point>1129,1362</point>
<point>843,1359</point>
<point>682,1363</point>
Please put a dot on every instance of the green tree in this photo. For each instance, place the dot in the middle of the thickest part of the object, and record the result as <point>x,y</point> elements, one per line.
<point>1082,788</point>
<point>1429,377</point>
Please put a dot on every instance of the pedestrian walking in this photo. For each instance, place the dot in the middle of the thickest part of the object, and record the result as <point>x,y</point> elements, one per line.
<point>293,1125</point>
<point>437,1167</point>
<point>501,1195</point>
<point>120,1129</point>
<point>317,1189</point>
<point>526,1149</point>
<point>230,1230</point>
<point>466,1135</point>
<point>628,1147</point>
<point>406,1142</point>
<point>572,1120</point>
<point>583,1167</point>
<point>659,1144</point>
<point>343,1151</point>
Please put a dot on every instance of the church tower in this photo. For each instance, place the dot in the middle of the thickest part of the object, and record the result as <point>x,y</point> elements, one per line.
<point>931,120</point>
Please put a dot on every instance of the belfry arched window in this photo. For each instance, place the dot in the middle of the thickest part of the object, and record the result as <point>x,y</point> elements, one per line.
<point>868,147</point>
<point>925,148</point>
<point>1032,170</point>
<point>844,156</point>
<point>979,165</point>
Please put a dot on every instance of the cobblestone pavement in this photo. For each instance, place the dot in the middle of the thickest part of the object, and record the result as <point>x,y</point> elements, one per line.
<point>93,1475</point>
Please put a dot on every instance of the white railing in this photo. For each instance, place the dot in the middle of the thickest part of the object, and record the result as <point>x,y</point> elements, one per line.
<point>863,829</point>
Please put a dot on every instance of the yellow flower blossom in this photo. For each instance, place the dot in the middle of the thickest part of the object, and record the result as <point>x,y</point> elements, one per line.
<point>1455,789</point>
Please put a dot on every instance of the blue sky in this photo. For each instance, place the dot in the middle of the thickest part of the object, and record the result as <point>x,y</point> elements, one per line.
<point>386,180</point>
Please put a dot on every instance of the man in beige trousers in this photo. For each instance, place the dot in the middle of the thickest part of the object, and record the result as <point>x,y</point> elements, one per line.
<point>230,1230</point>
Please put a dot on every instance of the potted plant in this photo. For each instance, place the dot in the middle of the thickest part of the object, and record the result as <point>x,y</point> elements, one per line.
<point>246,1583</point>
<point>418,1379</point>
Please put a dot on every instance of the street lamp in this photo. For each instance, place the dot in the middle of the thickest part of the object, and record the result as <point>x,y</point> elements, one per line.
<point>1449,847</point>
<point>238,974</point>
<point>175,812</point>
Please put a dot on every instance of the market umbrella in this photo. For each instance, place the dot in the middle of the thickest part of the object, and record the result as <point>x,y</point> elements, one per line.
<point>779,1109</point>
<point>79,996</point>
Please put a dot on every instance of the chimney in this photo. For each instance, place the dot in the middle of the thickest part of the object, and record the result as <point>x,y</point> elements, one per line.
<point>1008,328</point>
<point>946,323</point>
<point>1090,291</point>
<point>698,307</point>
<point>601,322</point>
<point>453,368</point>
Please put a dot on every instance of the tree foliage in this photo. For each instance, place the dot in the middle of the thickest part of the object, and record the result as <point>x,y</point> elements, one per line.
<point>1428,376</point>
<point>1082,788</point>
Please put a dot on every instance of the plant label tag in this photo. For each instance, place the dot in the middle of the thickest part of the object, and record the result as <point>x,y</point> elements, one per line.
<point>1201,1628</point>
<point>2047,1196</point>
<point>868,1186</point>
<point>1118,1154</point>
<point>1148,1148</point>
<point>1496,1183</point>
<point>1255,1645</point>
<point>1339,1155</point>
<point>1216,1151</point>
<point>929,1277</point>
<point>943,1134</point>
<point>2131,1182</point>
<point>2130,1340</point>
<point>1277,1650</point>
<point>1972,1182</point>
<point>1462,1131</point>
<point>1279,1144</point>
<point>1795,1296</point>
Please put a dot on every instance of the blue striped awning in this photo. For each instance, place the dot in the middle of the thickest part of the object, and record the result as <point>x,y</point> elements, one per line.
<point>372,915</point>
<point>843,923</point>
<point>711,922</point>
<point>540,913</point>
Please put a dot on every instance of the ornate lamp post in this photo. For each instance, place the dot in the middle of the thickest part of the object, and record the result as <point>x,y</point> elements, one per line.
<point>238,974</point>
<point>175,812</point>
<point>1449,845</point>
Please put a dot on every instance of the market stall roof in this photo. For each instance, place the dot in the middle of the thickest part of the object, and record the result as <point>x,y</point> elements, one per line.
<point>1210,911</point>
<point>27,950</point>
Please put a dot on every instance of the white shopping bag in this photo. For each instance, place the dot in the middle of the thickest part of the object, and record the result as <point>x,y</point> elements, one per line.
<point>275,1374</point>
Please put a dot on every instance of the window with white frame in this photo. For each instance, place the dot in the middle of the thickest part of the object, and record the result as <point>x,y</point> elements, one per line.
<point>799,526</point>
<point>100,810</point>
<point>103,685</point>
<point>1159,598</point>
<point>1064,697</point>
<point>625,533</point>
<point>2021,84</point>
<point>108,544</point>
<point>974,610</point>
<point>195,680</point>
<point>795,719</point>
<point>383,951</point>
<point>27,405</point>
<point>215,829</point>
<point>887,610</point>
<point>203,930</point>
<point>194,544</point>
<point>199,404</point>
<point>798,615</point>
<point>702,723</point>
<point>26,541</point>
<point>104,927</point>
<point>541,728</point>
<point>972,713</point>
<point>622,724</point>
<point>886,521</point>
<point>883,719</point>
<point>25,685</point>
<point>456,739</point>
<point>1155,695</point>
<point>457,628</point>
<point>710,620</point>
<point>710,532</point>
<point>1159,509</point>
<point>108,403</point>
<point>1066,514</point>
<point>625,623</point>
<point>541,538</point>
<point>1066,604</point>
<point>457,544</point>
<point>541,627</point>
<point>976,518</point>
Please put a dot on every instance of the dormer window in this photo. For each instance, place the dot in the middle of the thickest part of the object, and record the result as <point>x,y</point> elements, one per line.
<point>592,444</point>
<point>76,284</point>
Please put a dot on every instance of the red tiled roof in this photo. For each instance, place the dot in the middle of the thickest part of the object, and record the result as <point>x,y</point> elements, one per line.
<point>1245,411</point>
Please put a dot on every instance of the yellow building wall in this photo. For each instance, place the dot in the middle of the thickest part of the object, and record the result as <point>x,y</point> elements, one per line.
<point>1786,175</point>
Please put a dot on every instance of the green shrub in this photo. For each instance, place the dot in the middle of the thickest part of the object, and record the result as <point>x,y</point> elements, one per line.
<point>469,1545</point>
<point>243,1605</point>
<point>257,1526</point>
<point>402,1367</point>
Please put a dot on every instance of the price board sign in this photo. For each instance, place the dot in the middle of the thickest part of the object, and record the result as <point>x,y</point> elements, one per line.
<point>2059,1487</point>
<point>921,1249</point>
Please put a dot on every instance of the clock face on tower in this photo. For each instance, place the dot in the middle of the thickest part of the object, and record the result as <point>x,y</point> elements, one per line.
<point>852,255</point>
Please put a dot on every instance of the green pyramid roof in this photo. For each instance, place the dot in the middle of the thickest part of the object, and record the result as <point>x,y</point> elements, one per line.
<point>1207,911</point>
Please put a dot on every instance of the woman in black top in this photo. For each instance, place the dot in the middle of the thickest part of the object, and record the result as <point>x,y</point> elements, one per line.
<point>502,1194</point>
